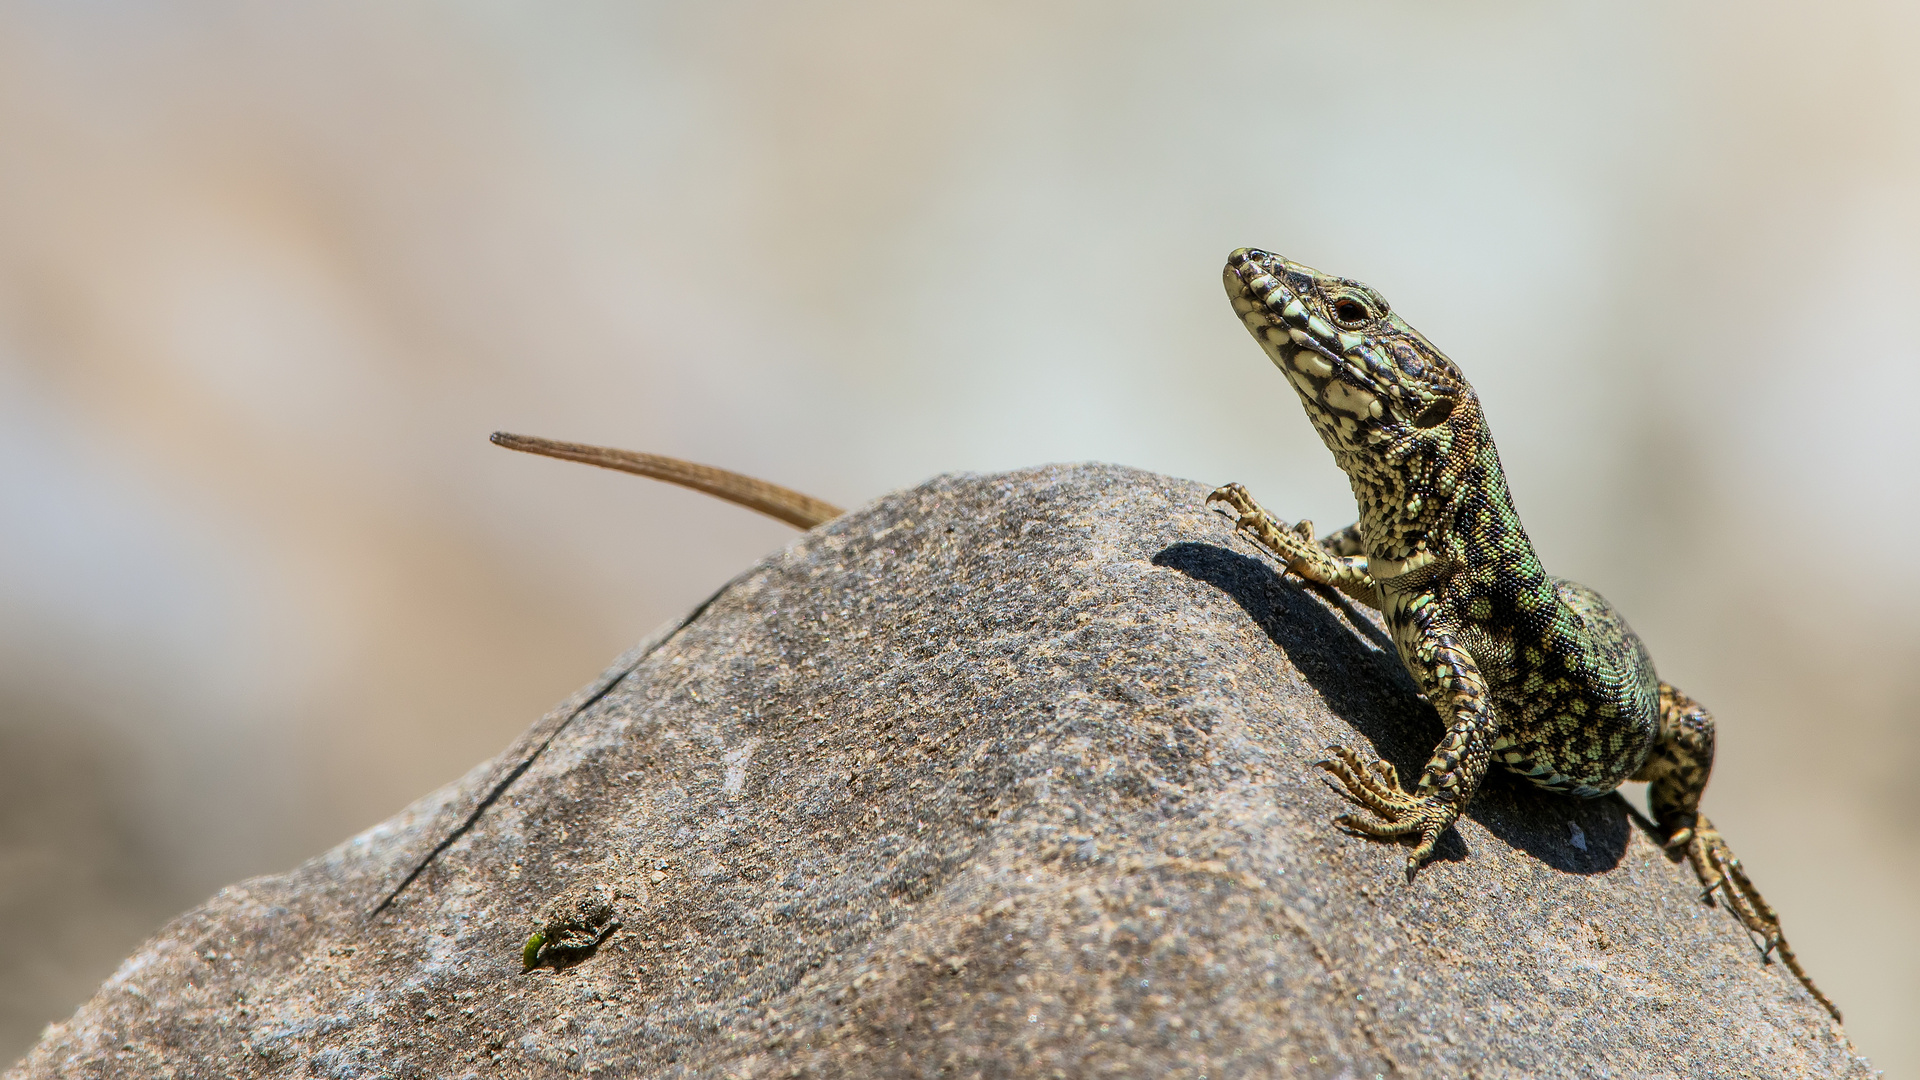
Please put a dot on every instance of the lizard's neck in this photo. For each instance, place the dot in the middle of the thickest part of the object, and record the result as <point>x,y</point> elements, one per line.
<point>1449,499</point>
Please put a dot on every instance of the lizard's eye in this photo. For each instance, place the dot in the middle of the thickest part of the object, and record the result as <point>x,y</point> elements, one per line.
<point>1350,312</point>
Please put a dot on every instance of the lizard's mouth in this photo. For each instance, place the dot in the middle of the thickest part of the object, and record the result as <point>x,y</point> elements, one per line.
<point>1266,292</point>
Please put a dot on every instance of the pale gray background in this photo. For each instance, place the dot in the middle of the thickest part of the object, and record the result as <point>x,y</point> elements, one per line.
<point>269,274</point>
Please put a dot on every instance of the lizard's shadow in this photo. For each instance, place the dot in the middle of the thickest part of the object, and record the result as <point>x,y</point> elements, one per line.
<point>1347,657</point>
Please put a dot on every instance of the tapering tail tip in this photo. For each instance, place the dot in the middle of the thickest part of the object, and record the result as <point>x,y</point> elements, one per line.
<point>800,511</point>
<point>531,444</point>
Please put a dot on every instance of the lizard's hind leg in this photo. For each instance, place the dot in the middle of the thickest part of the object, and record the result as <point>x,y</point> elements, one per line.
<point>1676,772</point>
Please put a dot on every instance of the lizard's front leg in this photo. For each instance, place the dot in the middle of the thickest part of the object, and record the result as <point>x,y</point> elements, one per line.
<point>1453,775</point>
<point>1337,564</point>
<point>1677,771</point>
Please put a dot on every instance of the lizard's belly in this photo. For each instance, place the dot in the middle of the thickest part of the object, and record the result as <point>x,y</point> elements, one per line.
<point>1576,700</point>
<point>1585,753</point>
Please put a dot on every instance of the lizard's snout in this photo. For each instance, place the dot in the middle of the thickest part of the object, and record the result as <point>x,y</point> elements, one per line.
<point>1251,258</point>
<point>1243,266</point>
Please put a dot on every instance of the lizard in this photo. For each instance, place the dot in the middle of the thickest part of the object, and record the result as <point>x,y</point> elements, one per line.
<point>1536,673</point>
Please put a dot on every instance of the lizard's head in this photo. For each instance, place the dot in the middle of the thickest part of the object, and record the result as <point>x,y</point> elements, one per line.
<point>1369,381</point>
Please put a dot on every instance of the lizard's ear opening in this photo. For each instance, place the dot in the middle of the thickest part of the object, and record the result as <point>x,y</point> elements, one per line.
<point>1434,414</point>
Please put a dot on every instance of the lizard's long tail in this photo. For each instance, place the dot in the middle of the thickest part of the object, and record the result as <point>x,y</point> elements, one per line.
<point>800,511</point>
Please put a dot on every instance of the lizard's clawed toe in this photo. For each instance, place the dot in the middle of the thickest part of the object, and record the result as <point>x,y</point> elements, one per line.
<point>1234,495</point>
<point>1720,872</point>
<point>1391,810</point>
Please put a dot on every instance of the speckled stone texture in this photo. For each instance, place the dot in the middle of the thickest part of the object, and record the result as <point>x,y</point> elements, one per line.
<point>1000,776</point>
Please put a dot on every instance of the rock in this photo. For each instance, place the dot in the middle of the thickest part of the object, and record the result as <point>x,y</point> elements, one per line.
<point>999,776</point>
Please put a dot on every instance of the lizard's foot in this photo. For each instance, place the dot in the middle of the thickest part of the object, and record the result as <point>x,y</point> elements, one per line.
<point>1296,548</point>
<point>1720,872</point>
<point>1376,787</point>
<point>1251,515</point>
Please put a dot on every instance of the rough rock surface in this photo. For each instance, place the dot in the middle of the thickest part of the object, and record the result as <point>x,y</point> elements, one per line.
<point>999,776</point>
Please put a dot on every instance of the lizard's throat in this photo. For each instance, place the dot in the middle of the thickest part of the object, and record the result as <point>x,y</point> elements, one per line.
<point>1402,495</point>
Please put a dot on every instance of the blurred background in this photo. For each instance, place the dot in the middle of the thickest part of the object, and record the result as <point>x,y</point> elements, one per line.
<point>269,274</point>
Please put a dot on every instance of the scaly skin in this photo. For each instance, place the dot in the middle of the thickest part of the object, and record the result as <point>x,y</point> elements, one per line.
<point>1534,672</point>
